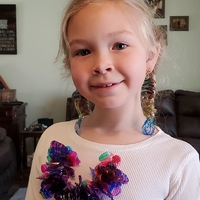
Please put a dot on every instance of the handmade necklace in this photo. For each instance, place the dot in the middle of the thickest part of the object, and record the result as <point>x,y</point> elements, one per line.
<point>107,179</point>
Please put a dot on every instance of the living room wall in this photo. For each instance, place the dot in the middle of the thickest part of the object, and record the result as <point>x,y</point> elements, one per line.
<point>40,81</point>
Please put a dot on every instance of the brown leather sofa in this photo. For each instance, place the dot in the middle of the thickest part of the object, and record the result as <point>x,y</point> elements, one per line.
<point>8,162</point>
<point>178,114</point>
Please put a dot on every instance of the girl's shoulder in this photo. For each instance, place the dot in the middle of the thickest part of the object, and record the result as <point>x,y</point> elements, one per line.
<point>175,146</point>
<point>59,131</point>
<point>60,127</point>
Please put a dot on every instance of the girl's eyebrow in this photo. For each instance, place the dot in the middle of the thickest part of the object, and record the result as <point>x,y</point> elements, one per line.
<point>82,41</point>
<point>79,41</point>
<point>120,32</point>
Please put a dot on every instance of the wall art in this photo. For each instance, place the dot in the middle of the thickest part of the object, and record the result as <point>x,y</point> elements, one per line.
<point>158,6</point>
<point>179,23</point>
<point>8,34</point>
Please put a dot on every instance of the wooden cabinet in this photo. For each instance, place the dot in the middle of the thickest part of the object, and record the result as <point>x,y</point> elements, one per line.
<point>13,119</point>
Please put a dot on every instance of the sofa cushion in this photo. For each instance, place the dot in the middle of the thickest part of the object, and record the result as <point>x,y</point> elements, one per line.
<point>7,153</point>
<point>166,112</point>
<point>2,133</point>
<point>8,165</point>
<point>188,113</point>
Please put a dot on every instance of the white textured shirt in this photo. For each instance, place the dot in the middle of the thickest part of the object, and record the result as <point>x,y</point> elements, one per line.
<point>159,168</point>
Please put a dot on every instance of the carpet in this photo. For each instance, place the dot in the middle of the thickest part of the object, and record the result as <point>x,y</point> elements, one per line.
<point>19,194</point>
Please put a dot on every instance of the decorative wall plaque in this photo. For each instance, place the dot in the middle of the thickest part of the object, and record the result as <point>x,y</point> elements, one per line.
<point>179,23</point>
<point>8,33</point>
<point>158,6</point>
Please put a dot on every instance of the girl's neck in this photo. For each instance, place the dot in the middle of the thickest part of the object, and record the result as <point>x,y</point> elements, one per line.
<point>116,118</point>
<point>114,126</point>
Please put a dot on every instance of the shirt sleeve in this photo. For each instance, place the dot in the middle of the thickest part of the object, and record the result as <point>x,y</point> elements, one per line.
<point>186,183</point>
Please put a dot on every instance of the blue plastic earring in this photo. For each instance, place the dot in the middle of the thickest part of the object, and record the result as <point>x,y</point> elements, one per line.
<point>148,127</point>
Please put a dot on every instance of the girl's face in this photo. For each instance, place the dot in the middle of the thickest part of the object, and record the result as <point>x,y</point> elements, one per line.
<point>108,57</point>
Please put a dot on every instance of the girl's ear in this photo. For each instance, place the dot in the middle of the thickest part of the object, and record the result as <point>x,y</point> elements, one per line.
<point>153,57</point>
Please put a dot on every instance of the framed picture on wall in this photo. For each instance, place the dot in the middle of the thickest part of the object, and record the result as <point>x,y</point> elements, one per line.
<point>3,84</point>
<point>163,28</point>
<point>8,33</point>
<point>158,6</point>
<point>179,23</point>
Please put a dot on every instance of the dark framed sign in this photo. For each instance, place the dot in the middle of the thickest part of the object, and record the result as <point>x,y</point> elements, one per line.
<point>179,23</point>
<point>158,6</point>
<point>8,33</point>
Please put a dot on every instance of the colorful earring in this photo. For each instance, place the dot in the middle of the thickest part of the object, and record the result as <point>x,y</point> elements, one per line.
<point>81,104</point>
<point>148,94</point>
<point>147,99</point>
<point>148,127</point>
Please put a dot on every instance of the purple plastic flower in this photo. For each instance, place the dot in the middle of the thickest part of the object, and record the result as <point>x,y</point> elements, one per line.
<point>106,178</point>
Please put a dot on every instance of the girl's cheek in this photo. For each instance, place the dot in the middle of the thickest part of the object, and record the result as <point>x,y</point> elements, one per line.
<point>73,74</point>
<point>74,69</point>
<point>76,81</point>
<point>76,75</point>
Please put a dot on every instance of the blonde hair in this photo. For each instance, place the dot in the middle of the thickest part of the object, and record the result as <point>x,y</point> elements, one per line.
<point>151,33</point>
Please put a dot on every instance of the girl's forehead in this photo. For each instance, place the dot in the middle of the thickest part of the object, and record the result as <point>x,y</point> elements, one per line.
<point>109,8</point>
<point>106,5</point>
<point>105,17</point>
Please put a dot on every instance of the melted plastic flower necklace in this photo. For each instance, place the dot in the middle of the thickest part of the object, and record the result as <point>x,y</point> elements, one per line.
<point>107,179</point>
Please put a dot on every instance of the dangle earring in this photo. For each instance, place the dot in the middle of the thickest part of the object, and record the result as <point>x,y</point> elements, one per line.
<point>147,101</point>
<point>83,107</point>
<point>81,104</point>
<point>148,127</point>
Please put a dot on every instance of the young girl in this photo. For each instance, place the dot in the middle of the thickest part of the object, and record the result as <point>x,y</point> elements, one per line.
<point>112,48</point>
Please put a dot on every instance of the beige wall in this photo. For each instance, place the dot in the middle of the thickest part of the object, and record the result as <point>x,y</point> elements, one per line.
<point>181,67</point>
<point>38,79</point>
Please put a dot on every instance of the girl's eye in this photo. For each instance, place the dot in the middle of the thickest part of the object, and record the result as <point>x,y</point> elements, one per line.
<point>120,46</point>
<point>83,52</point>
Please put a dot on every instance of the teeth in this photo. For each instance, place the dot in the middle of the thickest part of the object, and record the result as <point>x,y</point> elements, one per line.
<point>109,85</point>
<point>104,86</point>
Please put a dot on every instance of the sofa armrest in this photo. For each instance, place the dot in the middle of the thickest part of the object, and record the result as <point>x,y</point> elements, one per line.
<point>188,113</point>
<point>2,134</point>
<point>166,111</point>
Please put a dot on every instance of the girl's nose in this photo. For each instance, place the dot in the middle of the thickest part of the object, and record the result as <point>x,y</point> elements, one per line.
<point>103,65</point>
